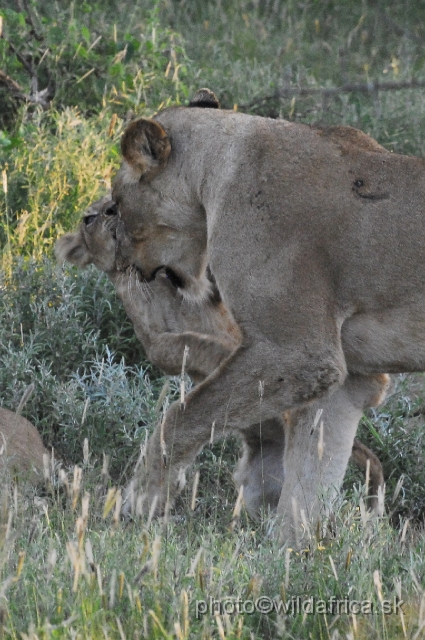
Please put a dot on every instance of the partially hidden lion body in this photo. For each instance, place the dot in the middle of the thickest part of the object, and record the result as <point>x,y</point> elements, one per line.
<point>166,323</point>
<point>22,453</point>
<point>315,237</point>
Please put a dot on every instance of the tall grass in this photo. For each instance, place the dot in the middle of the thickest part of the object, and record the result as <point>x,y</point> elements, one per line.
<point>77,570</point>
<point>61,164</point>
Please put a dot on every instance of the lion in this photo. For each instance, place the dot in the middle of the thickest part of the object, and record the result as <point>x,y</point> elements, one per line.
<point>162,320</point>
<point>21,448</point>
<point>315,238</point>
<point>166,323</point>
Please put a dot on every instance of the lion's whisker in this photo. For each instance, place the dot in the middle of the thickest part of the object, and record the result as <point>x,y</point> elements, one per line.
<point>149,288</point>
<point>142,289</point>
<point>130,289</point>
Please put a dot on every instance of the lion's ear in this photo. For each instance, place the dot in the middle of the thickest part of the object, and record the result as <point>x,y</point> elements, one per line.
<point>72,248</point>
<point>205,98</point>
<point>145,146</point>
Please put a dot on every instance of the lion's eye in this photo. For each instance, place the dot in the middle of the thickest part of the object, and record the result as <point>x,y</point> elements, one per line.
<point>111,210</point>
<point>89,219</point>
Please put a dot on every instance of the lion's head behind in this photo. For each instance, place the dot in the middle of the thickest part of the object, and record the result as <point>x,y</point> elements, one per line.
<point>94,241</point>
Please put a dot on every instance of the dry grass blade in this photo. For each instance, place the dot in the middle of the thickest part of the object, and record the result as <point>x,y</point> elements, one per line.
<point>332,563</point>
<point>320,442</point>
<point>237,508</point>
<point>109,501</point>
<point>194,490</point>
<point>25,396</point>
<point>378,584</point>
<point>367,477</point>
<point>194,563</point>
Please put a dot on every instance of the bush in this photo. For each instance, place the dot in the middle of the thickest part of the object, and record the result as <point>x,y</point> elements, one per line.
<point>60,164</point>
<point>58,329</point>
<point>83,56</point>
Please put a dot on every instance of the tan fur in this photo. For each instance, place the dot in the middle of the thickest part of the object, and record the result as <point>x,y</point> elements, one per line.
<point>150,137</point>
<point>348,139</point>
<point>21,447</point>
<point>163,320</point>
<point>316,243</point>
<point>165,323</point>
<point>260,468</point>
<point>360,455</point>
<point>82,248</point>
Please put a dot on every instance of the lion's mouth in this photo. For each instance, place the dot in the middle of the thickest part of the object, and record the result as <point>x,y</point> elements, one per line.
<point>174,278</point>
<point>171,275</point>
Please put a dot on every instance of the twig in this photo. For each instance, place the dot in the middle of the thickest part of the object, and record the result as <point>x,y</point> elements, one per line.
<point>326,92</point>
<point>12,86</point>
<point>43,97</point>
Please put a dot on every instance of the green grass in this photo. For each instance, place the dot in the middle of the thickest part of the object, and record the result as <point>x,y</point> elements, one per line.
<point>66,572</point>
<point>86,572</point>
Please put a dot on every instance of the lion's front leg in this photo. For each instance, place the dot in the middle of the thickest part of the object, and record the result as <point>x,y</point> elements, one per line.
<point>175,443</point>
<point>204,353</point>
<point>165,327</point>
<point>171,449</point>
<point>247,388</point>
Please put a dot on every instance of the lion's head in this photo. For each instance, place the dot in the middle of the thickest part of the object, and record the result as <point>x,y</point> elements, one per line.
<point>161,216</point>
<point>94,241</point>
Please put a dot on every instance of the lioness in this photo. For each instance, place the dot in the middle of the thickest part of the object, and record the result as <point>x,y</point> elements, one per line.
<point>21,448</point>
<point>315,237</point>
<point>165,323</point>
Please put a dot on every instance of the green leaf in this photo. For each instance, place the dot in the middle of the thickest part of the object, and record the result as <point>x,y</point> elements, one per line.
<point>86,34</point>
<point>4,140</point>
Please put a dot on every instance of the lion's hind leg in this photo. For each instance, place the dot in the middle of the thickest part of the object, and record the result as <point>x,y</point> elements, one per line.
<point>260,468</point>
<point>362,456</point>
<point>317,450</point>
<point>261,472</point>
